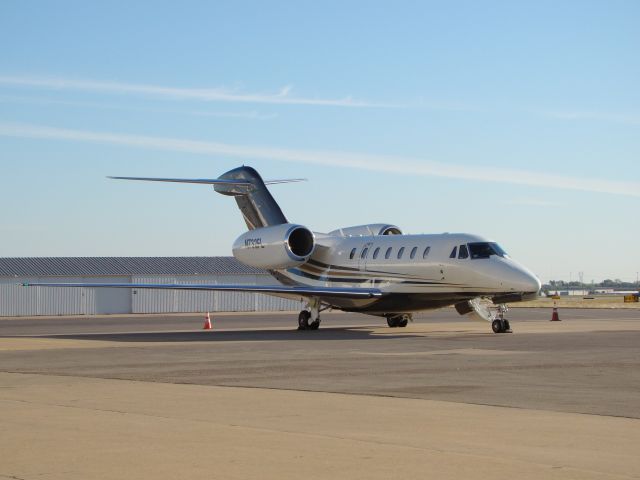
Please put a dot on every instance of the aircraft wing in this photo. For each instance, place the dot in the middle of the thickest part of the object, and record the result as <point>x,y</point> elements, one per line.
<point>305,291</point>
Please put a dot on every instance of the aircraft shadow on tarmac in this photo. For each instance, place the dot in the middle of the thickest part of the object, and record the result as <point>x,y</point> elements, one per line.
<point>338,333</point>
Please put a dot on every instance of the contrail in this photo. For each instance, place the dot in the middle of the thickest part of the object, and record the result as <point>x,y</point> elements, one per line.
<point>377,163</point>
<point>283,97</point>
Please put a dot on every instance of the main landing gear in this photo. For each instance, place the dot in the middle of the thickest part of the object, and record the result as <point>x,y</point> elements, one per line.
<point>309,319</point>
<point>395,321</point>
<point>501,324</point>
<point>305,322</point>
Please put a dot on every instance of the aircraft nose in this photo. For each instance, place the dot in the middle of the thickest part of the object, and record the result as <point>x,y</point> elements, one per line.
<point>533,282</point>
<point>527,282</point>
<point>522,280</point>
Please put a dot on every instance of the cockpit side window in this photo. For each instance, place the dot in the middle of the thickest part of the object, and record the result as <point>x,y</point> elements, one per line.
<point>463,252</point>
<point>485,250</point>
<point>454,252</point>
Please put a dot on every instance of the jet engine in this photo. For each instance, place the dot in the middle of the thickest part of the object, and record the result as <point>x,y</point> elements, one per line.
<point>275,247</point>
<point>367,230</point>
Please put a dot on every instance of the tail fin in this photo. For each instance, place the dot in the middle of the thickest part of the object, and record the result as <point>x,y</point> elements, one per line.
<point>254,200</point>
<point>258,207</point>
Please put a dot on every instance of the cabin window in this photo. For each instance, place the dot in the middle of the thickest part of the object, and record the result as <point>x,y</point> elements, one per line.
<point>388,254</point>
<point>413,252</point>
<point>400,253</point>
<point>463,253</point>
<point>376,252</point>
<point>425,254</point>
<point>363,255</point>
<point>454,252</point>
<point>352,254</point>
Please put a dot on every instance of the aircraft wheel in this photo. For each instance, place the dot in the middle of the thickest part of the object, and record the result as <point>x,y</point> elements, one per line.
<point>395,321</point>
<point>314,325</point>
<point>303,320</point>
<point>497,326</point>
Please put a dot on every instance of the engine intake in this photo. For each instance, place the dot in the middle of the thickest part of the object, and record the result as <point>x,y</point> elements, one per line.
<point>300,242</point>
<point>275,247</point>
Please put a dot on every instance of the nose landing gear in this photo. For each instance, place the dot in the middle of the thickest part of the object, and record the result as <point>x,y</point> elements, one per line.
<point>501,324</point>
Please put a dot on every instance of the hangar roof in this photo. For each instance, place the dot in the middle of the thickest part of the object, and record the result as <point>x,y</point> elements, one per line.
<point>104,266</point>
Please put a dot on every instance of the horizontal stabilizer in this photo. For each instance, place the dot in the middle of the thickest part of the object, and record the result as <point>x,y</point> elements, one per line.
<point>204,181</point>
<point>210,181</point>
<point>305,291</point>
<point>284,180</point>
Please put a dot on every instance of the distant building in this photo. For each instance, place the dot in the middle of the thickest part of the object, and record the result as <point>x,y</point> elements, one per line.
<point>566,292</point>
<point>16,300</point>
<point>604,291</point>
<point>612,291</point>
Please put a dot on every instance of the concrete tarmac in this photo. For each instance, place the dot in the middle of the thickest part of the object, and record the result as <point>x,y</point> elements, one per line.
<point>155,396</point>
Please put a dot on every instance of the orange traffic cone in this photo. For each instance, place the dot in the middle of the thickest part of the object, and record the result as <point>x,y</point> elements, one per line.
<point>554,316</point>
<point>207,322</point>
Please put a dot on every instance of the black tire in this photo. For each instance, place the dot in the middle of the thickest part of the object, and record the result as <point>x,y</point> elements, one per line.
<point>303,320</point>
<point>392,322</point>
<point>506,325</point>
<point>403,322</point>
<point>314,325</point>
<point>497,326</point>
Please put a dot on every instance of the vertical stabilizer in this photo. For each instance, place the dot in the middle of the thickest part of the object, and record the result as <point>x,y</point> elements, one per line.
<point>258,207</point>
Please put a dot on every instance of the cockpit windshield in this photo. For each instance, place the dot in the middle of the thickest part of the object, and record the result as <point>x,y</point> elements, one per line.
<point>485,250</point>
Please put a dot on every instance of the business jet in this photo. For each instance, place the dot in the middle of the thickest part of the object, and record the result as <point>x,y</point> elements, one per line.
<point>372,269</point>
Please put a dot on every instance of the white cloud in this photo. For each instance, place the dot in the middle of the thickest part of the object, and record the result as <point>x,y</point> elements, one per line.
<point>378,163</point>
<point>251,115</point>
<point>218,94</point>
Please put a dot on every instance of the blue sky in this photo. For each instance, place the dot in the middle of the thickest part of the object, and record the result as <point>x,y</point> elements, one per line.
<point>518,121</point>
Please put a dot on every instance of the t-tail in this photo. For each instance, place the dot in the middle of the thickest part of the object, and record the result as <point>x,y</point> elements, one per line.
<point>256,203</point>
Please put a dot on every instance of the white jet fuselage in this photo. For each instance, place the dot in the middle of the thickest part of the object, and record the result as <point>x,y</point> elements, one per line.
<point>414,272</point>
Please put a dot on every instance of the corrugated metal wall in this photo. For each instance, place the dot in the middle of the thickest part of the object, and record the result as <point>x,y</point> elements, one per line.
<point>159,301</point>
<point>16,300</point>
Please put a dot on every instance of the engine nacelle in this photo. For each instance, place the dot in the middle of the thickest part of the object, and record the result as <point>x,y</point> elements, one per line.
<point>275,247</point>
<point>367,230</point>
